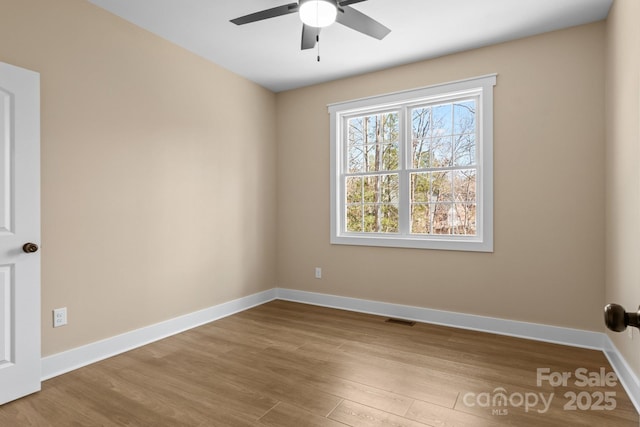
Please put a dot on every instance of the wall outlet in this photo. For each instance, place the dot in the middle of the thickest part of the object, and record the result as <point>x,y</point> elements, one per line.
<point>318,273</point>
<point>630,332</point>
<point>59,317</point>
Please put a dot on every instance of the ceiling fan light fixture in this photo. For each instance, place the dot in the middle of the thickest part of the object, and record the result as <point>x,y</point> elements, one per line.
<point>318,13</point>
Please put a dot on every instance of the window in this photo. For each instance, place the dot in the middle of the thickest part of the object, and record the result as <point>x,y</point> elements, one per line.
<point>414,169</point>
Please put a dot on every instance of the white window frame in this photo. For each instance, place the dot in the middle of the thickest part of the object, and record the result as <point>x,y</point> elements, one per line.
<point>479,87</point>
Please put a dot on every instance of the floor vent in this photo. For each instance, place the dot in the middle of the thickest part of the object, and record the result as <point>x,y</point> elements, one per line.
<point>400,322</point>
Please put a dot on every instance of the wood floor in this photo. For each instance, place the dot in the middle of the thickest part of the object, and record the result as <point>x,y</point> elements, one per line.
<point>286,364</point>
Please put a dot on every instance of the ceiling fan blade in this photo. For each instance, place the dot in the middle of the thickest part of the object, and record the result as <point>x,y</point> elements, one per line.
<point>266,14</point>
<point>348,2</point>
<point>309,37</point>
<point>349,17</point>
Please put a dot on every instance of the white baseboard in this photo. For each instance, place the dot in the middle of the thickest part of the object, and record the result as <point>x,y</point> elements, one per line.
<point>70,360</point>
<point>534,331</point>
<point>625,374</point>
<point>61,363</point>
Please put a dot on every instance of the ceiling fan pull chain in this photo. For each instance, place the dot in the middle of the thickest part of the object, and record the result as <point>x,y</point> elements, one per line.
<point>318,44</point>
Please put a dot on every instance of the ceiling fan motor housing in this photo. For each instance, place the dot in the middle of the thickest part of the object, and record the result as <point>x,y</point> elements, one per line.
<point>318,13</point>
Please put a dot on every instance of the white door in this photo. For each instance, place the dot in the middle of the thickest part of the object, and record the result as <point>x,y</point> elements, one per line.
<point>19,225</point>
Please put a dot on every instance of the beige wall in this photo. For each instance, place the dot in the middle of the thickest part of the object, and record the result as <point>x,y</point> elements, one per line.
<point>623,167</point>
<point>548,264</point>
<point>158,172</point>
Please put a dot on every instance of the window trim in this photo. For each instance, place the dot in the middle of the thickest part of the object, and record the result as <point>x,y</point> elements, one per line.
<point>482,87</point>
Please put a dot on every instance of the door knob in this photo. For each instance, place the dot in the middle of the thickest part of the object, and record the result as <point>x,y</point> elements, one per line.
<point>617,319</point>
<point>30,248</point>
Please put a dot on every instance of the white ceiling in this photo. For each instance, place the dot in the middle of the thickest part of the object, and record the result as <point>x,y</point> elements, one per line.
<point>268,52</point>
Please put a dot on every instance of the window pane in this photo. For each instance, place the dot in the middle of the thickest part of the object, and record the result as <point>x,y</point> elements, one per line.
<point>356,131</point>
<point>389,188</point>
<point>441,187</point>
<point>354,189</point>
<point>370,219</point>
<point>421,122</point>
<point>371,164</point>
<point>370,188</point>
<point>356,159</point>
<point>355,149</point>
<point>389,222</point>
<point>421,154</point>
<point>390,127</point>
<point>442,218</point>
<point>381,218</point>
<point>390,157</point>
<point>354,218</point>
<point>465,149</point>
<point>464,185</point>
<point>420,219</point>
<point>441,152</point>
<point>420,187</point>
<point>371,124</point>
<point>441,120</point>
<point>464,117</point>
<point>464,220</point>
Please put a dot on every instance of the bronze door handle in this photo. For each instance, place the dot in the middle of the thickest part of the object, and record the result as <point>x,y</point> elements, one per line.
<point>30,248</point>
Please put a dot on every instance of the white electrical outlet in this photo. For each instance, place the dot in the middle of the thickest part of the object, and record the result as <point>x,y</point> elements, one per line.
<point>318,273</point>
<point>59,317</point>
<point>630,329</point>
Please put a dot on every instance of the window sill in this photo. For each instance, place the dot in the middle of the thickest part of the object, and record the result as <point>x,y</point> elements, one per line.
<point>445,243</point>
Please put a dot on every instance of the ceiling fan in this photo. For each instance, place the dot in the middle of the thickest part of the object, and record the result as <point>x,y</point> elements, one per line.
<point>317,14</point>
